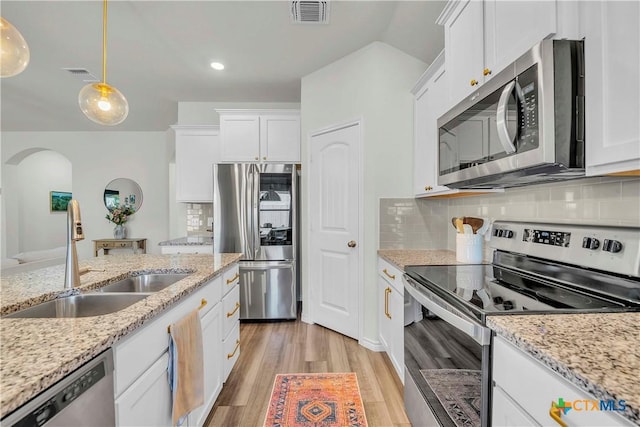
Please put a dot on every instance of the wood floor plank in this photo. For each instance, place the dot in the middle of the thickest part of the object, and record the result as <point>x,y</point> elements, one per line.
<point>274,348</point>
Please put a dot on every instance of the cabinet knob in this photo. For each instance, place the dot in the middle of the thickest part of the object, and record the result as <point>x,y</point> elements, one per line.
<point>257,158</point>
<point>474,82</point>
<point>264,158</point>
<point>486,72</point>
<point>428,188</point>
<point>352,244</point>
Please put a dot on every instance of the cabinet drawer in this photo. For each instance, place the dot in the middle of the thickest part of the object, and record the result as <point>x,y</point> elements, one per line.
<point>186,249</point>
<point>115,245</point>
<point>231,345</point>
<point>135,353</point>
<point>231,310</point>
<point>230,278</point>
<point>391,274</point>
<point>535,386</point>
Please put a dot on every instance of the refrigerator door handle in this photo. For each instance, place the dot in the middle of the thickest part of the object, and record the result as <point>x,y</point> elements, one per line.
<point>245,210</point>
<point>255,200</point>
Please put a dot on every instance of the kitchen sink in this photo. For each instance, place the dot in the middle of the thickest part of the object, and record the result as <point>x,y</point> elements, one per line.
<point>85,305</point>
<point>151,282</point>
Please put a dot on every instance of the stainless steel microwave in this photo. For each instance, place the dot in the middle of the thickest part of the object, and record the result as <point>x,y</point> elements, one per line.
<point>524,126</point>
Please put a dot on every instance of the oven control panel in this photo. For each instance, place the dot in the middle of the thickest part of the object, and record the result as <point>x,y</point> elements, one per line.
<point>546,237</point>
<point>609,248</point>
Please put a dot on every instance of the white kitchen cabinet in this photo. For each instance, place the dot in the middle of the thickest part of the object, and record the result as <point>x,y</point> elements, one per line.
<point>230,328</point>
<point>271,136</point>
<point>141,387</point>
<point>186,249</point>
<point>532,390</point>
<point>430,102</point>
<point>391,314</point>
<point>482,37</point>
<point>197,149</point>
<point>211,339</point>
<point>148,401</point>
<point>612,86</point>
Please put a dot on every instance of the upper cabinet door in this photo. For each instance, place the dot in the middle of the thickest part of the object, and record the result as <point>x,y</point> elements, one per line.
<point>464,46</point>
<point>280,138</point>
<point>513,27</point>
<point>197,149</point>
<point>612,86</point>
<point>260,136</point>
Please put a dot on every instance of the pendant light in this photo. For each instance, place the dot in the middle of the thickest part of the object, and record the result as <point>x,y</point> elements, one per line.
<point>14,51</point>
<point>100,102</point>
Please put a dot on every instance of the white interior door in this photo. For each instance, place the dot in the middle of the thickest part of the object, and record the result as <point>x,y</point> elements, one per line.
<point>334,206</point>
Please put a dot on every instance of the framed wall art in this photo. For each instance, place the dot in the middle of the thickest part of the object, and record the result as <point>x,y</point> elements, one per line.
<point>59,200</point>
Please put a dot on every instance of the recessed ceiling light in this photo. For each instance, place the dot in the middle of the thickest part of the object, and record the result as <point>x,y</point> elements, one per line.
<point>217,66</point>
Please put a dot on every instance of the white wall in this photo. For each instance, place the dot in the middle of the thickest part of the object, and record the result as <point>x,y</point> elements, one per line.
<point>96,159</point>
<point>374,84</point>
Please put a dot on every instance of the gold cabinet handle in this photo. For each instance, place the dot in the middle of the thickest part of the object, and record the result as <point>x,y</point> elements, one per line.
<point>390,276</point>
<point>233,279</point>
<point>474,82</point>
<point>486,72</point>
<point>234,310</point>
<point>352,244</point>
<point>203,303</point>
<point>257,158</point>
<point>386,302</point>
<point>428,188</point>
<point>230,355</point>
<point>556,414</point>
<point>264,158</point>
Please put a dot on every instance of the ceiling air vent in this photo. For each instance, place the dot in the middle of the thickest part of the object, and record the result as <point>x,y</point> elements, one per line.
<point>83,74</point>
<point>310,12</point>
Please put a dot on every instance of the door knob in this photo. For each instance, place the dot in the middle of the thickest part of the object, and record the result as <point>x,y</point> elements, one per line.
<point>352,244</point>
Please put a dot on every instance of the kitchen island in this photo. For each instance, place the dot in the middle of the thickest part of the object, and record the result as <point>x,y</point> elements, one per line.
<point>36,353</point>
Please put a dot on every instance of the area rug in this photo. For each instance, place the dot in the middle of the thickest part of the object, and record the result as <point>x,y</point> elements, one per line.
<point>458,390</point>
<point>316,400</point>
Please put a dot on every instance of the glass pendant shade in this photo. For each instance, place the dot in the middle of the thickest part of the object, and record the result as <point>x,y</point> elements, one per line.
<point>14,51</point>
<point>103,104</point>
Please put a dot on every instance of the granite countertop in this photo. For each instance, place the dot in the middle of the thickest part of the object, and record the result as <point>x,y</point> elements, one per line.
<point>36,353</point>
<point>188,241</point>
<point>404,257</point>
<point>598,353</point>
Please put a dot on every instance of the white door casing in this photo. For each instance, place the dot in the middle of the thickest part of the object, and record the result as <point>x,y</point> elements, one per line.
<point>335,260</point>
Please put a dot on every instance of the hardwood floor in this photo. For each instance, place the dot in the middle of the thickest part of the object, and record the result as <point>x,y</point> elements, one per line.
<point>268,349</point>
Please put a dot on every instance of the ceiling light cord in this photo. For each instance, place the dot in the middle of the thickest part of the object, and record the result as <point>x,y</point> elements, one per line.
<point>104,41</point>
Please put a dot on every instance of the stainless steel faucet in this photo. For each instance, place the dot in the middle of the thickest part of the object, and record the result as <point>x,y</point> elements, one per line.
<point>74,234</point>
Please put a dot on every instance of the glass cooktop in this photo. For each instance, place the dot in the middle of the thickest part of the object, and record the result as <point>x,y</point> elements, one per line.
<point>486,289</point>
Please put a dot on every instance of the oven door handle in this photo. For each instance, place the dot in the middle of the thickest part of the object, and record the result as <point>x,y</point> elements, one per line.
<point>435,304</point>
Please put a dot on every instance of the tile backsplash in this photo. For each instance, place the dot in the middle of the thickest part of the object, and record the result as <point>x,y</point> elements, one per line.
<point>199,218</point>
<point>426,223</point>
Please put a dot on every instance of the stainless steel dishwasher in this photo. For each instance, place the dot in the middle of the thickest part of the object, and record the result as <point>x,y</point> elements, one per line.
<point>83,398</point>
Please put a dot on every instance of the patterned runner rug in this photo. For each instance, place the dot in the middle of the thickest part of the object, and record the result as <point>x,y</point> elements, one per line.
<point>459,392</point>
<point>318,400</point>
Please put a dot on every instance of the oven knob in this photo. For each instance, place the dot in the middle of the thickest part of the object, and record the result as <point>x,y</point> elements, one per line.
<point>499,232</point>
<point>508,234</point>
<point>590,243</point>
<point>508,305</point>
<point>498,300</point>
<point>611,246</point>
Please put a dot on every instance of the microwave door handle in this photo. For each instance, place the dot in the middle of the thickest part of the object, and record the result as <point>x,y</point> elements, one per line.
<point>501,119</point>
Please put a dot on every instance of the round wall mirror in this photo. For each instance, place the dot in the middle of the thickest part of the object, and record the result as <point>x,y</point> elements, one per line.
<point>123,192</point>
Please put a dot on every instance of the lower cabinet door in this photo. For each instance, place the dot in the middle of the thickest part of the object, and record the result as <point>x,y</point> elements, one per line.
<point>147,402</point>
<point>231,345</point>
<point>396,334</point>
<point>211,337</point>
<point>505,412</point>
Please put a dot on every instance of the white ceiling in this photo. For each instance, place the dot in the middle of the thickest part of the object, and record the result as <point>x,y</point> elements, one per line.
<point>158,53</point>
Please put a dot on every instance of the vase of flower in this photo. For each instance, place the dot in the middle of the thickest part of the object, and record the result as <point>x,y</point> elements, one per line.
<point>119,232</point>
<point>119,216</point>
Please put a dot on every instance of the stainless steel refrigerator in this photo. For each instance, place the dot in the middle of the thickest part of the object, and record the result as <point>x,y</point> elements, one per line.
<point>255,213</point>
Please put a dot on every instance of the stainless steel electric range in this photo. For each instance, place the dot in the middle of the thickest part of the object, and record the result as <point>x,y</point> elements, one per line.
<point>537,268</point>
